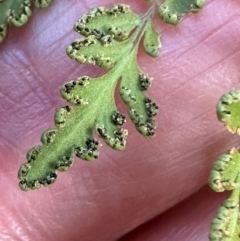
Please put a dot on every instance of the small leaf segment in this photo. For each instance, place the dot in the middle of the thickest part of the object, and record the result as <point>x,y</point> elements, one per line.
<point>16,13</point>
<point>225,174</point>
<point>110,40</point>
<point>173,11</point>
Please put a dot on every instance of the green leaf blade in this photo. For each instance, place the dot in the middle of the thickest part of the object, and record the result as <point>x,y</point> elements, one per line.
<point>225,226</point>
<point>92,51</point>
<point>118,21</point>
<point>151,41</point>
<point>13,12</point>
<point>93,108</point>
<point>224,174</point>
<point>141,109</point>
<point>172,11</point>
<point>16,13</point>
<point>228,110</point>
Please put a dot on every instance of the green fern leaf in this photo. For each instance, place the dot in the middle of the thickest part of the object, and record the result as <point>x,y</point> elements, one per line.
<point>16,13</point>
<point>225,174</point>
<point>225,226</point>
<point>228,111</point>
<point>172,11</point>
<point>151,41</point>
<point>108,43</point>
<point>226,169</point>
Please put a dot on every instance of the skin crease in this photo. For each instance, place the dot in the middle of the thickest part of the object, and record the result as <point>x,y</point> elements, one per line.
<point>108,198</point>
<point>188,220</point>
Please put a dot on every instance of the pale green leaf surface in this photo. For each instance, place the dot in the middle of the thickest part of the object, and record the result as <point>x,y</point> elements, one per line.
<point>225,174</point>
<point>94,53</point>
<point>226,169</point>
<point>225,225</point>
<point>17,13</point>
<point>151,41</point>
<point>75,125</point>
<point>103,20</point>
<point>108,26</point>
<point>228,110</point>
<point>172,11</point>
<point>140,108</point>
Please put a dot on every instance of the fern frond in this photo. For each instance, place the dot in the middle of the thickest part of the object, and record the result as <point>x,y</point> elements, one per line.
<point>112,37</point>
<point>16,13</point>
<point>225,174</point>
<point>111,41</point>
<point>225,226</point>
